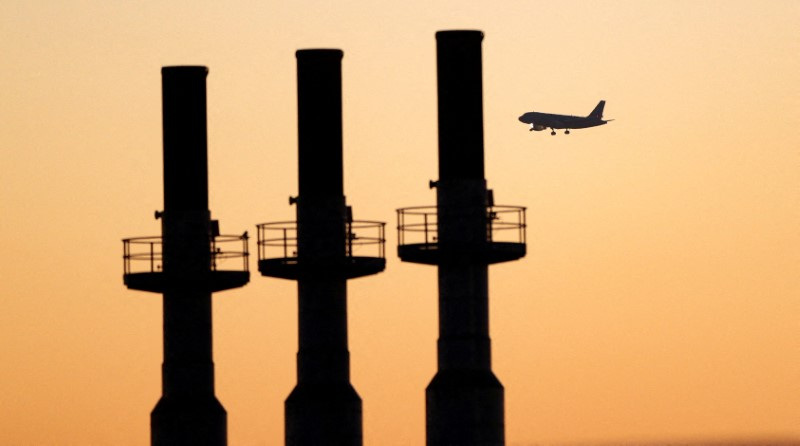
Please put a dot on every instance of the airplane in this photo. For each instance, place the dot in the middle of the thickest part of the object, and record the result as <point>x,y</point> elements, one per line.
<point>541,121</point>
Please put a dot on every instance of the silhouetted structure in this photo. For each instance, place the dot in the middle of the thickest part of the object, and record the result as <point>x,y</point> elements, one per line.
<point>324,408</point>
<point>462,235</point>
<point>183,265</point>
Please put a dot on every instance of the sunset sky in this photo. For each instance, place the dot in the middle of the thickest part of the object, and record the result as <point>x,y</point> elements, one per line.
<point>660,297</point>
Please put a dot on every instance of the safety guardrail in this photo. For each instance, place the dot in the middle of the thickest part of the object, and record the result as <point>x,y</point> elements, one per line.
<point>145,254</point>
<point>419,225</point>
<point>362,239</point>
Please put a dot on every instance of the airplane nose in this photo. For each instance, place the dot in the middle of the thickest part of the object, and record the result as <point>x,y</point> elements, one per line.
<point>521,118</point>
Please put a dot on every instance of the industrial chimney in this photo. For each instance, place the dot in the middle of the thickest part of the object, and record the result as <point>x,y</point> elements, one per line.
<point>324,249</point>
<point>462,234</point>
<point>186,264</point>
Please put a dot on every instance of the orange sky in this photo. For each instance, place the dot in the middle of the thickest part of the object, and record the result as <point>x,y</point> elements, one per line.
<point>659,297</point>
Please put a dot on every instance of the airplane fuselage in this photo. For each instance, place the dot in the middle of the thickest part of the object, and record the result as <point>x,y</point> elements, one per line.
<point>548,120</point>
<point>541,121</point>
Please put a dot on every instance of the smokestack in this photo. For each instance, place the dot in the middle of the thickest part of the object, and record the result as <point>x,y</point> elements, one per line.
<point>460,89</point>
<point>182,266</point>
<point>320,207</point>
<point>323,408</point>
<point>464,401</point>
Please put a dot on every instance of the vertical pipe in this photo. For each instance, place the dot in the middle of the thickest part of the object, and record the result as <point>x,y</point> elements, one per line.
<point>188,412</point>
<point>323,408</point>
<point>425,224</point>
<point>460,104</point>
<point>464,401</point>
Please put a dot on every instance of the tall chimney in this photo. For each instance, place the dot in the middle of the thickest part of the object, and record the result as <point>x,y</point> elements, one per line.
<point>184,270</point>
<point>464,401</point>
<point>323,408</point>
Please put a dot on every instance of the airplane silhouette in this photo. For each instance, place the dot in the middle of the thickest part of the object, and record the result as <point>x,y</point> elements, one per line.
<point>541,121</point>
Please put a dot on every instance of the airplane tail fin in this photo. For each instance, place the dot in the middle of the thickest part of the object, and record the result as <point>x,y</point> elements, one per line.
<point>598,110</point>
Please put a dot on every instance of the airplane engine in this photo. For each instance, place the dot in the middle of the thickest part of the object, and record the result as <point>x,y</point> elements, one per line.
<point>538,127</point>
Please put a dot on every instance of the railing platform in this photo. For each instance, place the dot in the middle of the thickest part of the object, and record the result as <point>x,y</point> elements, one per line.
<point>364,252</point>
<point>417,235</point>
<point>143,266</point>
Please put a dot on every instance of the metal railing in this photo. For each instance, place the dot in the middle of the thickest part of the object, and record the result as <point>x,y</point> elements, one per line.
<point>145,254</point>
<point>277,236</point>
<point>506,224</point>
<point>419,225</point>
<point>362,239</point>
<point>220,251</point>
<point>142,251</point>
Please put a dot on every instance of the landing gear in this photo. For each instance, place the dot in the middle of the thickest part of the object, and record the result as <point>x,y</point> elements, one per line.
<point>566,132</point>
<point>553,132</point>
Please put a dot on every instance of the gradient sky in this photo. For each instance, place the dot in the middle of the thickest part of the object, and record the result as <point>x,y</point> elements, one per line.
<point>660,296</point>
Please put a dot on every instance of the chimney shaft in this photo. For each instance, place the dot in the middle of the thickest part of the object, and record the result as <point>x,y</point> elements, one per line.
<point>464,401</point>
<point>188,412</point>
<point>319,120</point>
<point>459,86</point>
<point>185,140</point>
<point>185,222</point>
<point>323,408</point>
<point>321,203</point>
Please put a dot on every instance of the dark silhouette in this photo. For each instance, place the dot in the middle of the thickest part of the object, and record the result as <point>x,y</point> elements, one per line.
<point>540,121</point>
<point>324,408</point>
<point>185,270</point>
<point>464,401</point>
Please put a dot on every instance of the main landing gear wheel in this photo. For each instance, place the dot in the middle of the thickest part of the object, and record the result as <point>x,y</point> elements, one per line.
<point>567,132</point>
<point>553,132</point>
